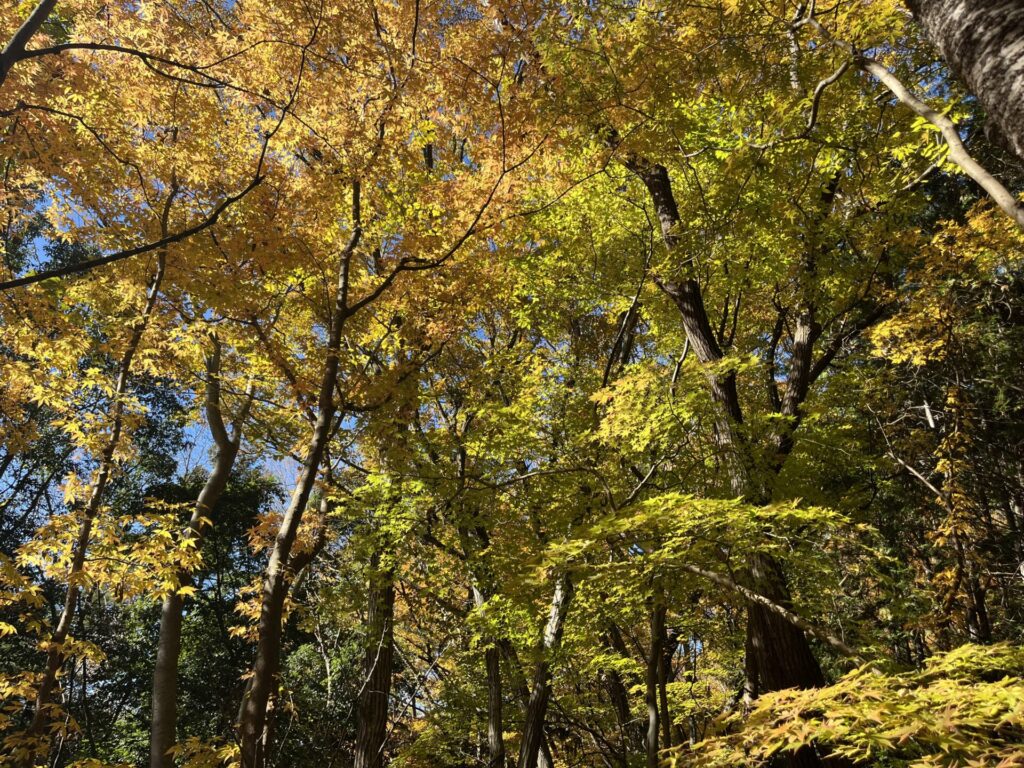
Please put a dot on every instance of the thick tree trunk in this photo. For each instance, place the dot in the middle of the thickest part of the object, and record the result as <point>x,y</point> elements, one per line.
<point>540,691</point>
<point>495,722</point>
<point>783,656</point>
<point>982,41</point>
<point>377,668</point>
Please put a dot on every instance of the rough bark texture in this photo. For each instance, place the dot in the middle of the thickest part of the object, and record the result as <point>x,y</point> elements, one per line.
<point>522,692</point>
<point>784,659</point>
<point>982,41</point>
<point>783,655</point>
<point>377,666</point>
<point>495,722</point>
<point>540,691</point>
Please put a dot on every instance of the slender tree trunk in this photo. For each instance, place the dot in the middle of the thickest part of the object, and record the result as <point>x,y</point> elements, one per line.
<point>669,642</point>
<point>540,691</point>
<point>377,669</point>
<point>495,715</point>
<point>620,704</point>
<point>522,691</point>
<point>163,725</point>
<point>252,716</point>
<point>982,41</point>
<point>653,675</point>
<point>55,656</point>
<point>632,731</point>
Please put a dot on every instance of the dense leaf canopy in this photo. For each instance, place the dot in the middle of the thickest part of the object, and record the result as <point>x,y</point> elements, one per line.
<point>462,383</point>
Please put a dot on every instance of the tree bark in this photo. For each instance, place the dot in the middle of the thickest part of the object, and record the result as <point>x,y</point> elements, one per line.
<point>982,41</point>
<point>629,739</point>
<point>252,716</point>
<point>16,45</point>
<point>654,661</point>
<point>163,726</point>
<point>540,691</point>
<point>495,722</point>
<point>783,655</point>
<point>55,656</point>
<point>669,643</point>
<point>377,667</point>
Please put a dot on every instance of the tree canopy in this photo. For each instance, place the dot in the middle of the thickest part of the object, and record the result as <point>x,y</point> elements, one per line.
<point>584,383</point>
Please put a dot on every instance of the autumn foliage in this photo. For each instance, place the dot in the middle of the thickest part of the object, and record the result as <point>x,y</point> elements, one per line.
<point>490,383</point>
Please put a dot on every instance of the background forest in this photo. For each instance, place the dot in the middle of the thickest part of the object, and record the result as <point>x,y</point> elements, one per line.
<point>456,383</point>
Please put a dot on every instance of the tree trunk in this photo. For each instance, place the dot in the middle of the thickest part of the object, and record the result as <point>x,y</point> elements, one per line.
<point>495,716</point>
<point>55,656</point>
<point>495,723</point>
<point>540,691</point>
<point>252,716</point>
<point>783,656</point>
<point>163,727</point>
<point>619,696</point>
<point>669,643</point>
<point>377,667</point>
<point>522,691</point>
<point>982,41</point>
<point>653,675</point>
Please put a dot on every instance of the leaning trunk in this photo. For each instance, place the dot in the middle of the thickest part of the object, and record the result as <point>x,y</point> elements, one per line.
<point>55,656</point>
<point>982,42</point>
<point>252,716</point>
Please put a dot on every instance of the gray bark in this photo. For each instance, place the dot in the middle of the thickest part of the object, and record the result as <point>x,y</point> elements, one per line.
<point>540,691</point>
<point>982,41</point>
<point>163,727</point>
